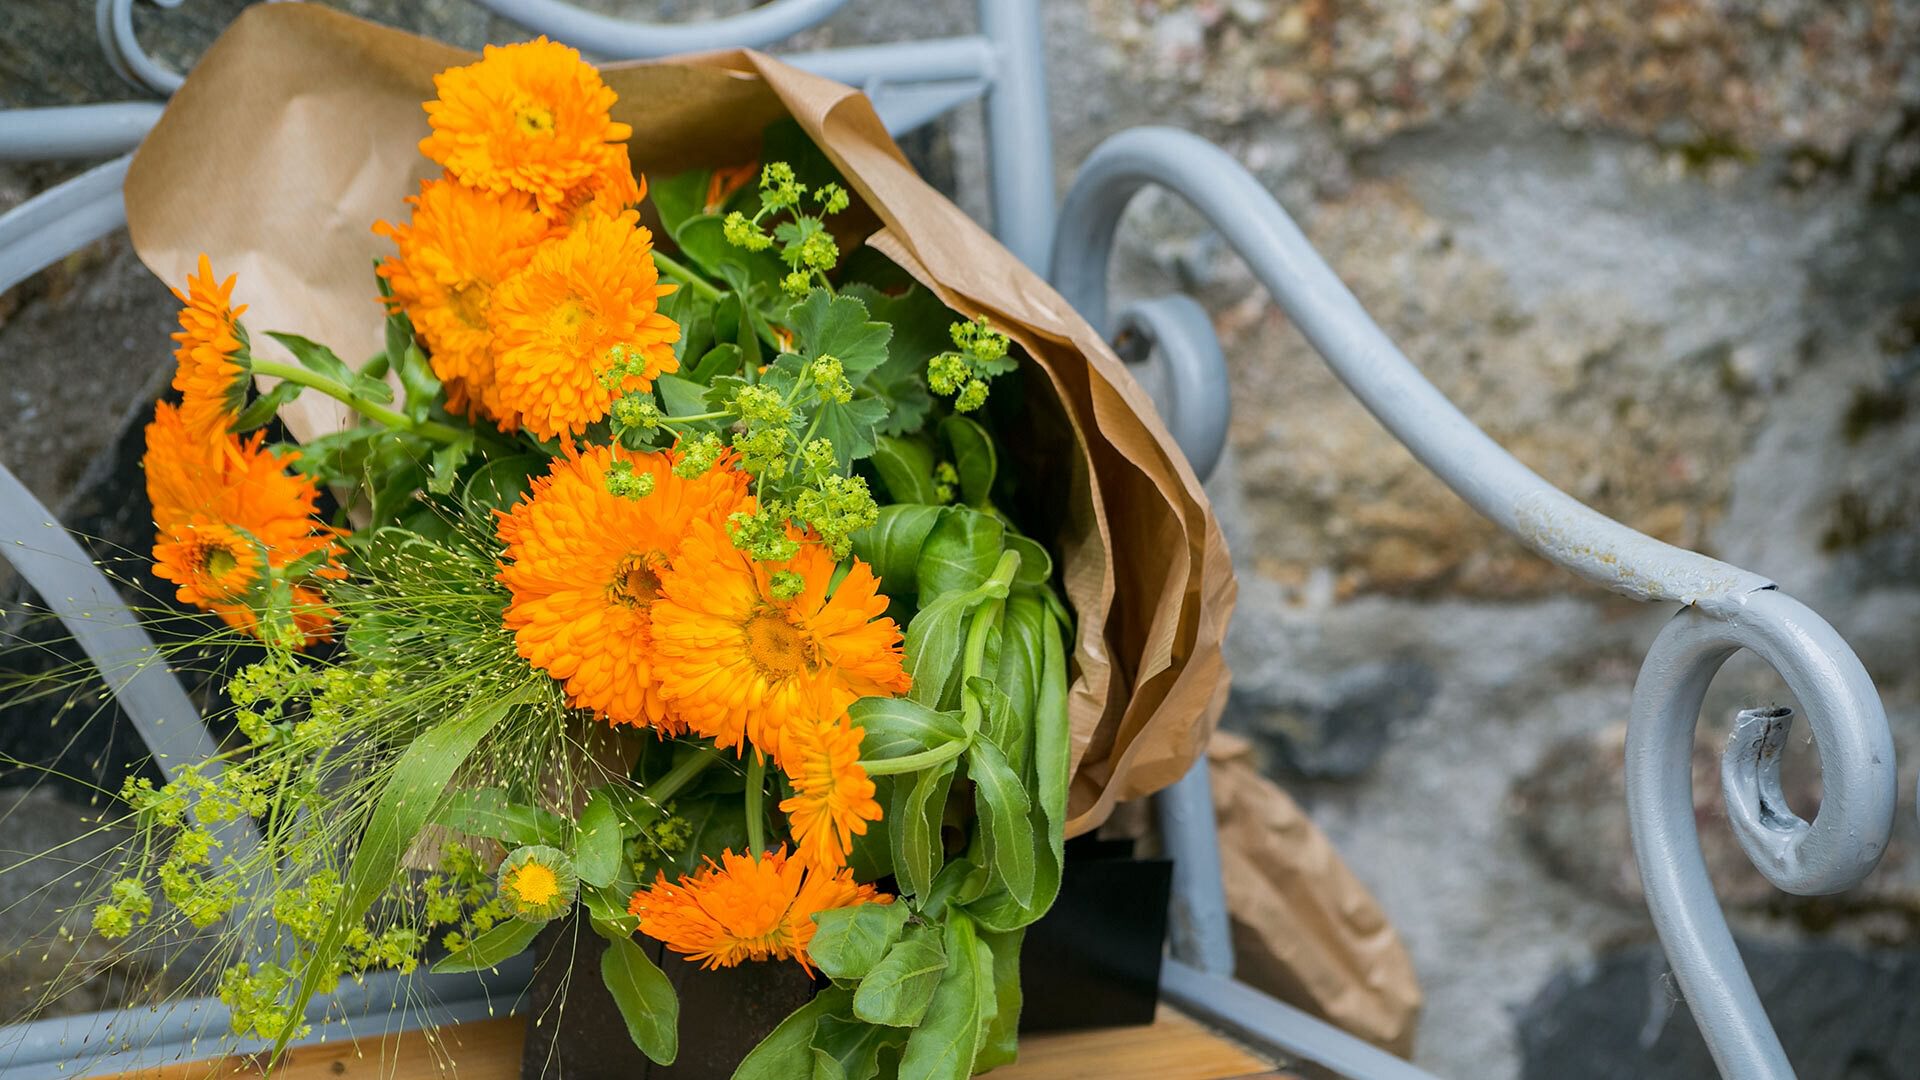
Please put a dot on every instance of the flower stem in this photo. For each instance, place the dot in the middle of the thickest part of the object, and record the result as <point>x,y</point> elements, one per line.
<point>907,763</point>
<point>756,789</point>
<point>681,775</point>
<point>687,276</point>
<point>372,410</point>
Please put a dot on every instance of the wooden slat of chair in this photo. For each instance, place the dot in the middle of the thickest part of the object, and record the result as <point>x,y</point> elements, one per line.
<point>1172,1048</point>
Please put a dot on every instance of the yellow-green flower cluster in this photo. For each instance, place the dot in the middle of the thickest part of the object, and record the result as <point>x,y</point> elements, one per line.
<point>979,353</point>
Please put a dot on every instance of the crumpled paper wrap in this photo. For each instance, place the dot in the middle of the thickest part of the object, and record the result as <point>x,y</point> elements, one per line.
<point>1304,928</point>
<point>299,128</point>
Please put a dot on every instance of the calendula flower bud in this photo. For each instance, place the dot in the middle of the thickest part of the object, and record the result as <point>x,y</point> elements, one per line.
<point>537,882</point>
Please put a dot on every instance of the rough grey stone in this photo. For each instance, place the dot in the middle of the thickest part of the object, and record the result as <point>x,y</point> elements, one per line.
<point>1842,1014</point>
<point>1341,735</point>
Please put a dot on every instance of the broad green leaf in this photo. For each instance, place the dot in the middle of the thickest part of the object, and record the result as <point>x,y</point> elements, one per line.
<point>850,426</point>
<point>849,1049</point>
<point>1036,565</point>
<point>920,331</point>
<point>599,845</point>
<point>447,460</point>
<point>974,458</point>
<point>918,808</point>
<point>1002,1046</point>
<point>499,943</point>
<point>787,1053</point>
<point>715,824</point>
<point>722,359</point>
<point>680,197</point>
<point>263,409</point>
<point>372,387</point>
<point>1018,673</point>
<point>500,483</point>
<point>935,639</point>
<point>1004,807</point>
<point>1002,726</point>
<point>1052,739</point>
<point>316,357</point>
<point>849,941</point>
<point>891,545</point>
<point>422,386</point>
<point>900,987</point>
<point>906,468</point>
<point>944,1045</point>
<point>960,883</point>
<point>682,397</point>
<point>488,812</point>
<point>838,326</point>
<point>645,998</point>
<point>960,552</point>
<point>896,727</point>
<point>403,807</point>
<point>607,907</point>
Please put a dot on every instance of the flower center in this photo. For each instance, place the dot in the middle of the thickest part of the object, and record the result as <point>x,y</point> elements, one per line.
<point>569,320</point>
<point>220,562</point>
<point>775,645</point>
<point>534,120</point>
<point>534,884</point>
<point>469,303</point>
<point>634,582</point>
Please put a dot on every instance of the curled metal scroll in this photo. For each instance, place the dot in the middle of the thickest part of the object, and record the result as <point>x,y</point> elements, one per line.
<point>1837,850</point>
<point>113,22</point>
<point>1727,608</point>
<point>606,35</point>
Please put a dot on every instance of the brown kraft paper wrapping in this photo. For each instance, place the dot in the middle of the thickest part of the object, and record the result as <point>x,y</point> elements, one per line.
<point>299,129</point>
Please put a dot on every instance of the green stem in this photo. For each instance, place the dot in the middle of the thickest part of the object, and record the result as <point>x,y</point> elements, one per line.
<point>681,775</point>
<point>756,789</point>
<point>686,275</point>
<point>908,763</point>
<point>670,420</point>
<point>985,618</point>
<point>392,418</point>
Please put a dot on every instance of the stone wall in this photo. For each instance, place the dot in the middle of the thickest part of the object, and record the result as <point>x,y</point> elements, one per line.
<point>1667,251</point>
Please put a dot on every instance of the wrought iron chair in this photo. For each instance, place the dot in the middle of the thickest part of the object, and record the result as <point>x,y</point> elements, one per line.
<point>1722,608</point>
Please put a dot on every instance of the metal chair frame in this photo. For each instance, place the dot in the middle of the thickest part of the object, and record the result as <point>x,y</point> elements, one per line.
<point>1722,608</point>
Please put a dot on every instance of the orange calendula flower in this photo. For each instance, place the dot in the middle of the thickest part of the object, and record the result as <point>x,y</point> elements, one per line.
<point>739,662</point>
<point>224,511</point>
<point>558,322</point>
<point>609,192</point>
<point>530,117</point>
<point>584,568</point>
<point>745,908</point>
<point>458,248</point>
<point>832,795</point>
<point>211,380</point>
<point>725,181</point>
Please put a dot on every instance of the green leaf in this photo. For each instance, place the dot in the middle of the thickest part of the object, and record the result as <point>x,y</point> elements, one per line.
<point>715,825</point>
<point>607,907</point>
<point>960,552</point>
<point>500,942</point>
<point>849,941</point>
<point>849,1049</point>
<point>500,483</point>
<point>920,323</point>
<point>680,197</point>
<point>489,813</point>
<point>1004,806</point>
<point>838,326</point>
<point>264,408</point>
<point>918,808</point>
<point>1036,565</point>
<point>897,727</point>
<point>1052,740</point>
<point>316,357</point>
<point>722,359</point>
<point>935,640</point>
<point>422,386</point>
<point>851,425</point>
<point>682,397</point>
<point>1018,674</point>
<point>891,545</point>
<point>906,468</point>
<point>1002,1046</point>
<point>447,460</point>
<point>704,243</point>
<point>599,843</point>
<point>372,388</point>
<point>944,1045</point>
<point>1002,726</point>
<point>787,1052</point>
<point>974,459</point>
<point>645,998</point>
<point>403,807</point>
<point>900,987</point>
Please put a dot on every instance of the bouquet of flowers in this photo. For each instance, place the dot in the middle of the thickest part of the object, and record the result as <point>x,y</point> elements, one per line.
<point>681,563</point>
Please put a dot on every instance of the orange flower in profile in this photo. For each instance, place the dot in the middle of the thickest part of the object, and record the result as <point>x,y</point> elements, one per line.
<point>458,248</point>
<point>557,322</point>
<point>832,795</point>
<point>530,117</point>
<point>211,381</point>
<point>584,568</point>
<point>745,908</point>
<point>739,662</point>
<point>224,511</point>
<point>610,192</point>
